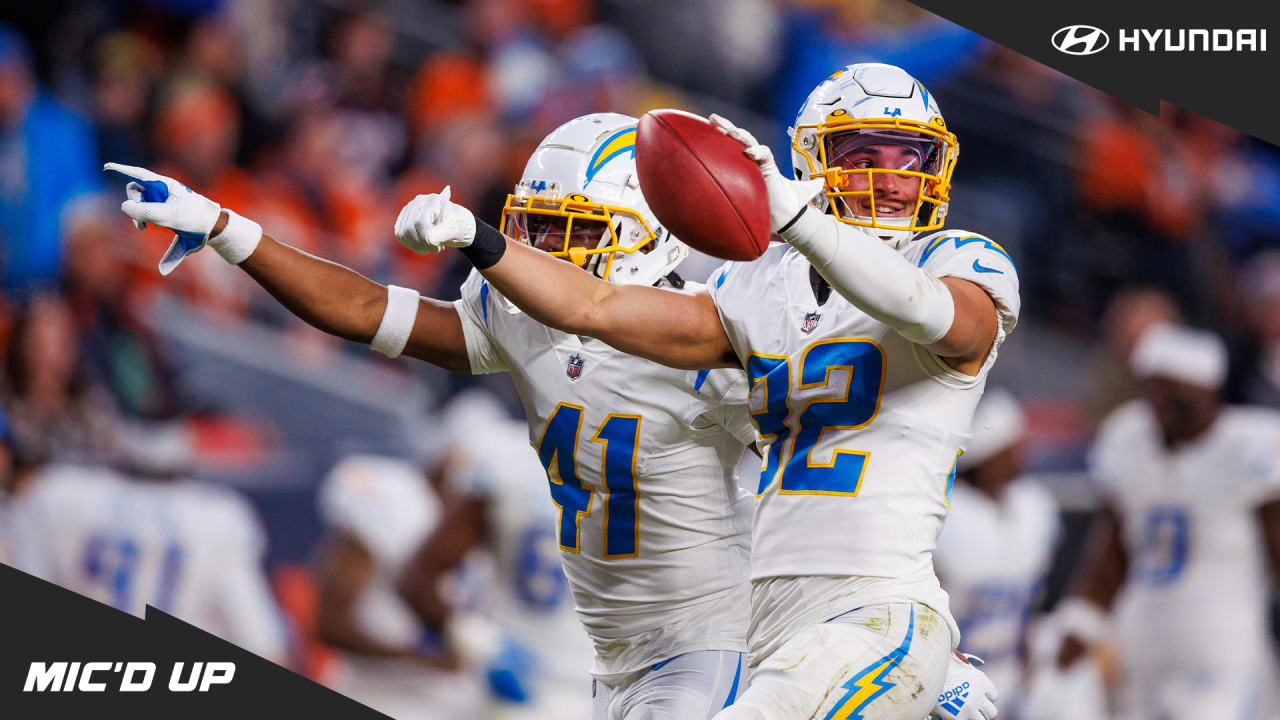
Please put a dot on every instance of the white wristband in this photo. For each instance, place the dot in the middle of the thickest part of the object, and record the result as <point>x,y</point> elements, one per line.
<point>238,239</point>
<point>397,321</point>
<point>1082,618</point>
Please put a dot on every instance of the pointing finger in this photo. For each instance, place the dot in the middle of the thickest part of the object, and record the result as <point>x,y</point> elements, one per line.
<point>132,172</point>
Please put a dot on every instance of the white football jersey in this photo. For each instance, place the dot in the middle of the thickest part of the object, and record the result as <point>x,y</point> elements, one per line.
<point>861,427</point>
<point>190,549</point>
<point>386,504</point>
<point>992,556</point>
<point>652,529</point>
<point>528,597</point>
<point>1198,581</point>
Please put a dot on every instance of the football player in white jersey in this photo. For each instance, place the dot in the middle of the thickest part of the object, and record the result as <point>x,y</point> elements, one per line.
<point>151,536</point>
<point>867,338</point>
<point>377,510</point>
<point>1189,528</point>
<point>997,544</point>
<point>522,632</point>
<point>652,528</point>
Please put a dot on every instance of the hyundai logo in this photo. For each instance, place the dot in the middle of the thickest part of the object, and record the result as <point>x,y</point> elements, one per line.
<point>1081,39</point>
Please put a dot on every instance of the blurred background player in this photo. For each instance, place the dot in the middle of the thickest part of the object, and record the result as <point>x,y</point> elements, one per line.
<point>520,631</point>
<point>146,534</point>
<point>1182,548</point>
<point>652,525</point>
<point>997,544</point>
<point>377,510</point>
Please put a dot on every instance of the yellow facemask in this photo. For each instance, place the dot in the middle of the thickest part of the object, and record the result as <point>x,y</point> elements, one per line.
<point>574,227</point>
<point>813,141</point>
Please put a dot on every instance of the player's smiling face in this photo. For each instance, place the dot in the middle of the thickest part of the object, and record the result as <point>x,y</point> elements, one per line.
<point>895,195</point>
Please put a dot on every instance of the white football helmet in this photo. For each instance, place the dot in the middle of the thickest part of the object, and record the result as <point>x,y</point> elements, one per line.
<point>579,198</point>
<point>863,124</point>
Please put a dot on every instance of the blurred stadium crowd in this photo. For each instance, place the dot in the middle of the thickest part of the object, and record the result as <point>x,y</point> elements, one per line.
<point>321,119</point>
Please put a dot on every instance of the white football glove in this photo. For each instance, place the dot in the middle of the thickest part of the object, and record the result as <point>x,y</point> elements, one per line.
<point>163,201</point>
<point>968,693</point>
<point>786,196</point>
<point>431,223</point>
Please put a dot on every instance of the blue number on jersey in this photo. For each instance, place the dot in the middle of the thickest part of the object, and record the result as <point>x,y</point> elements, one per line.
<point>771,421</point>
<point>855,408</point>
<point>539,579</point>
<point>1166,543</point>
<point>558,450</point>
<point>112,563</point>
<point>620,435</point>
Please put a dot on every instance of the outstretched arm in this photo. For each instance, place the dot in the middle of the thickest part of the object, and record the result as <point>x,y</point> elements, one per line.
<point>342,302</point>
<point>673,328</point>
<point>953,317</point>
<point>326,295</point>
<point>677,329</point>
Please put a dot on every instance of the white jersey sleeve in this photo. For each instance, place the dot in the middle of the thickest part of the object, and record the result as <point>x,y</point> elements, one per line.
<point>475,308</point>
<point>730,286</point>
<point>962,254</point>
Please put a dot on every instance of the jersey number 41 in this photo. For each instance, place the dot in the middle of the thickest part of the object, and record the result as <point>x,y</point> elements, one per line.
<point>558,450</point>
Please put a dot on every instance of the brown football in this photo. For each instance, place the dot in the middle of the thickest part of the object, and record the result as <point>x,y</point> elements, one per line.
<point>701,186</point>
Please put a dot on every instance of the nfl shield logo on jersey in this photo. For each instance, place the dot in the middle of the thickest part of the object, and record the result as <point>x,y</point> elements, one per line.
<point>810,322</point>
<point>574,369</point>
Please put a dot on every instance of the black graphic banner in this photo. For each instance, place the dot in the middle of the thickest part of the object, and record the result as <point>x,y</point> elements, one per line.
<point>1206,57</point>
<point>65,655</point>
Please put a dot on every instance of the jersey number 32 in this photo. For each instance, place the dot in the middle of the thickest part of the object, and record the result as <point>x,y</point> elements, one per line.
<point>796,426</point>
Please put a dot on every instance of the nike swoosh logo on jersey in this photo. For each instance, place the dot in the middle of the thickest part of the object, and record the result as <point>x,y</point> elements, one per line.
<point>979,267</point>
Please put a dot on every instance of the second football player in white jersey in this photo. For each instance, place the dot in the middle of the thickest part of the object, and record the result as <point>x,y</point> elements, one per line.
<point>1190,528</point>
<point>652,528</point>
<point>867,339</point>
<point>151,537</point>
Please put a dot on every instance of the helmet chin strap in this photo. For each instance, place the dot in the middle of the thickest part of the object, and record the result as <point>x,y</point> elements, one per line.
<point>896,238</point>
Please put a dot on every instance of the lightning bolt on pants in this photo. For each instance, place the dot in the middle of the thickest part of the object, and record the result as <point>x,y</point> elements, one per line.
<point>880,662</point>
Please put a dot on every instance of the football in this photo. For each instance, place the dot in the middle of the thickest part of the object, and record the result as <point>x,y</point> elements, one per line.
<point>701,186</point>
